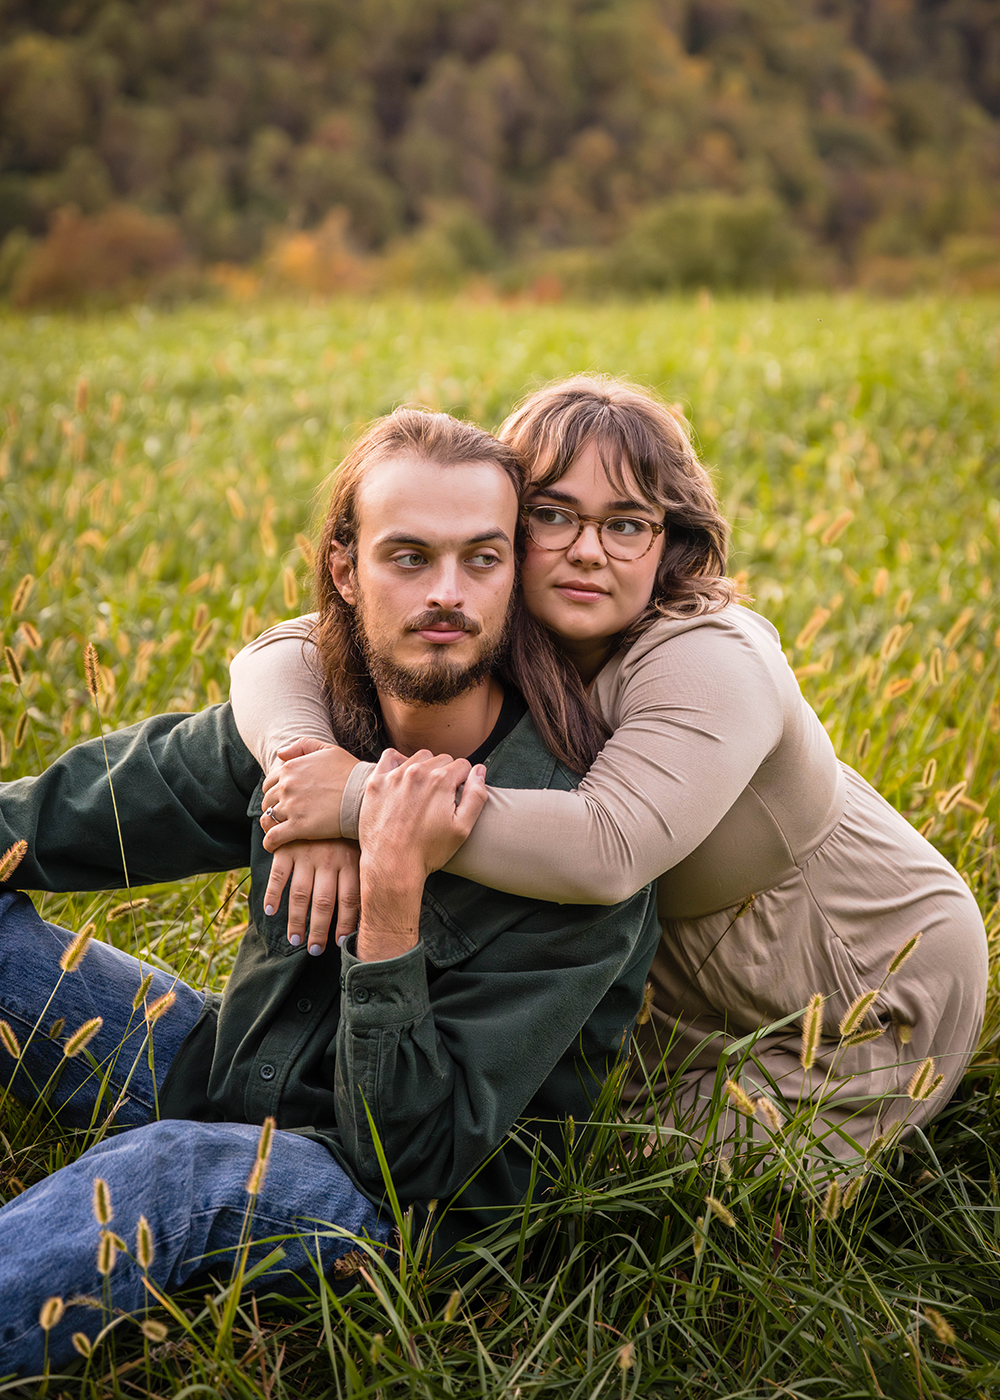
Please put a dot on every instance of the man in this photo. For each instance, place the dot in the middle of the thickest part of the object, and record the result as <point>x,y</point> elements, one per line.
<point>453,1013</point>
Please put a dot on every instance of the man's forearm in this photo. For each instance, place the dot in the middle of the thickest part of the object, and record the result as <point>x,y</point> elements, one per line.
<point>390,908</point>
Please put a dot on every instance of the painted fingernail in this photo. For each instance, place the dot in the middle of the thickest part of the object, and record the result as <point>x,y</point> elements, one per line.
<point>268,909</point>
<point>314,950</point>
<point>342,939</point>
<point>294,939</point>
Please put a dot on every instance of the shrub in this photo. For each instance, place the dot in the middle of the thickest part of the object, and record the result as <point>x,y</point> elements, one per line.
<point>113,256</point>
<point>707,240</point>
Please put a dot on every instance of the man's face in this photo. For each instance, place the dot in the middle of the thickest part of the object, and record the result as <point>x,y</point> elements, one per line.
<point>434,575</point>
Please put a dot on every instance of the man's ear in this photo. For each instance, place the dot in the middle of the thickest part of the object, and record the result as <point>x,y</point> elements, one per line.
<point>342,572</point>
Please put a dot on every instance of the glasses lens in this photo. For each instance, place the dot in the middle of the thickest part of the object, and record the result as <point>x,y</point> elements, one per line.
<point>551,527</point>
<point>625,538</point>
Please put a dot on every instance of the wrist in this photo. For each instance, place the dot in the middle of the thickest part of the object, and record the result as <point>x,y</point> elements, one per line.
<point>390,909</point>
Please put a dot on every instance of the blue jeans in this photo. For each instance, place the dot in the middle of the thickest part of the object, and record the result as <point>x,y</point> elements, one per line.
<point>187,1178</point>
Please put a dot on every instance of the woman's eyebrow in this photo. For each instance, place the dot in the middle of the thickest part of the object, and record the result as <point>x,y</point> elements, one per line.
<point>567,499</point>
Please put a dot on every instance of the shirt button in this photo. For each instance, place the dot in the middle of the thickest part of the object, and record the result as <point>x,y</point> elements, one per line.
<point>267,1071</point>
<point>304,1005</point>
<point>361,994</point>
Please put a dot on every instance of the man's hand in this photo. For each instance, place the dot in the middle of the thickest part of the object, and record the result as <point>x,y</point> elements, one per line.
<point>325,875</point>
<point>305,791</point>
<point>416,813</point>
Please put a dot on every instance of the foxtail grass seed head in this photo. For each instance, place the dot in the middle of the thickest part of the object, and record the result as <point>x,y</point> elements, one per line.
<point>831,1202</point>
<point>82,1344</point>
<point>30,634</point>
<point>10,1041</point>
<point>812,1029</point>
<point>851,1192</point>
<point>145,1251</point>
<point>904,952</point>
<point>864,743</point>
<point>20,729</point>
<point>259,1169</point>
<point>856,1012</point>
<point>698,1236</point>
<point>128,907</point>
<point>924,1082</point>
<point>626,1356</point>
<point>57,1027</point>
<point>740,1098</point>
<point>929,774</point>
<point>73,956</point>
<point>836,528</point>
<point>768,1114</point>
<point>92,670</point>
<point>725,1168</point>
<point>941,1327</point>
<point>103,1213</point>
<point>646,1009</point>
<point>107,1252</point>
<point>720,1211</point>
<point>140,995</point>
<point>11,859</point>
<point>904,1032</point>
<point>935,669</point>
<point>160,1007</point>
<point>13,665</point>
<point>862,1037</point>
<point>154,1330</point>
<point>809,631</point>
<point>451,1307</point>
<point>51,1314</point>
<point>82,1037</point>
<point>22,593</point>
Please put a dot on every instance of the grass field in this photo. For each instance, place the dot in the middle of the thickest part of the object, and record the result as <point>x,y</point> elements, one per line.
<point>158,479</point>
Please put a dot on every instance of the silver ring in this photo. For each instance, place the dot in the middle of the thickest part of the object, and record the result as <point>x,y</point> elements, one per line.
<point>270,813</point>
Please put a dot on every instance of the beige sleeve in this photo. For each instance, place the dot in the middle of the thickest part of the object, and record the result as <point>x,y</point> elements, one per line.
<point>276,691</point>
<point>698,714</point>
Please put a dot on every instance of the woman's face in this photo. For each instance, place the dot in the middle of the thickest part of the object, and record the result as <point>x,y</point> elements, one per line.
<point>581,593</point>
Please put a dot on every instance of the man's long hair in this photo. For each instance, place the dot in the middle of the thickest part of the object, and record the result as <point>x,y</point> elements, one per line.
<point>567,723</point>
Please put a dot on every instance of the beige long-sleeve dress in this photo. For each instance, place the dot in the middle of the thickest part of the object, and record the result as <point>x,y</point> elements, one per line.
<point>781,873</point>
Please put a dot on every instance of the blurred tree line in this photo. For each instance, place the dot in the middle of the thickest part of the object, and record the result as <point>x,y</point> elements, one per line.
<point>641,144</point>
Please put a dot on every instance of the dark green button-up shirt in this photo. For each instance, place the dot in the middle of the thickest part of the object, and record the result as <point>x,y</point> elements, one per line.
<point>508,1011</point>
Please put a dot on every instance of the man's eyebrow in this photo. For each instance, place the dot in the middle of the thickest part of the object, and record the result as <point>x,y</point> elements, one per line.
<point>625,504</point>
<point>484,537</point>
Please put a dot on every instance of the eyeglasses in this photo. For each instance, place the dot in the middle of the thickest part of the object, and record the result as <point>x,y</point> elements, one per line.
<point>622,536</point>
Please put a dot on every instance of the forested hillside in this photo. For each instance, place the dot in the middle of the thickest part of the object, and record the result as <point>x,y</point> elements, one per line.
<point>792,137</point>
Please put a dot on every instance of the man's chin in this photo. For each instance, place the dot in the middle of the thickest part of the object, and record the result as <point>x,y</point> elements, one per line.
<point>435,681</point>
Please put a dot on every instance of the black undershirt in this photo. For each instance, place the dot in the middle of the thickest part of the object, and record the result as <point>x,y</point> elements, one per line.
<point>512,711</point>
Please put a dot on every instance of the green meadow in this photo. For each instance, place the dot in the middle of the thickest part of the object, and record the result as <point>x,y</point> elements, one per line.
<point>160,477</point>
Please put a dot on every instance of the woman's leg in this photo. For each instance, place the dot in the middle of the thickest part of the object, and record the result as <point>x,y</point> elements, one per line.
<point>189,1181</point>
<point>36,996</point>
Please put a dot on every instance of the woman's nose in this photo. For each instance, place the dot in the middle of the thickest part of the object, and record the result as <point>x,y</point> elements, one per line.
<point>587,547</point>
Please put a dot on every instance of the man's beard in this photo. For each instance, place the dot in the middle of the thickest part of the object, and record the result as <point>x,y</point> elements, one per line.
<point>440,680</point>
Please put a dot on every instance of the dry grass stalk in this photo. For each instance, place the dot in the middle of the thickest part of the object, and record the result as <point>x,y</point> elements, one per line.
<point>11,859</point>
<point>82,1037</point>
<point>51,1314</point>
<point>812,1029</point>
<point>73,956</point>
<point>10,1041</point>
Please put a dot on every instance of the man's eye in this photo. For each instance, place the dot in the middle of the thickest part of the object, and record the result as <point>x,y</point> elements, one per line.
<point>408,561</point>
<point>484,561</point>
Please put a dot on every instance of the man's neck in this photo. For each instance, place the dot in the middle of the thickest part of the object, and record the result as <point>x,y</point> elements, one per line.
<point>456,728</point>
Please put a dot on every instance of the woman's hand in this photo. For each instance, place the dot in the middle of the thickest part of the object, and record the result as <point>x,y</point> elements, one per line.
<point>305,792</point>
<point>325,879</point>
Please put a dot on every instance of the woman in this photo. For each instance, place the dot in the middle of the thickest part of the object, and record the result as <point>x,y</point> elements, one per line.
<point>781,873</point>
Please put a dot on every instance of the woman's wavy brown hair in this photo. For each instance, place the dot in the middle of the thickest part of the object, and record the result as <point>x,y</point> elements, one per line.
<point>566,722</point>
<point>635,431</point>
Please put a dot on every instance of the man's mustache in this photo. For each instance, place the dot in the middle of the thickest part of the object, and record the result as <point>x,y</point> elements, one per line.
<point>435,617</point>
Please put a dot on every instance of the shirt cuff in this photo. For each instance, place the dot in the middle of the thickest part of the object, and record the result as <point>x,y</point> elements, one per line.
<point>350,803</point>
<point>389,992</point>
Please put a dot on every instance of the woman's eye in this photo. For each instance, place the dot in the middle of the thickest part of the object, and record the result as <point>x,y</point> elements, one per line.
<point>548,515</point>
<point>622,526</point>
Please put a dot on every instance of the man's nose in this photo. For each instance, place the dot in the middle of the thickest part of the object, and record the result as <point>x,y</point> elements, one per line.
<point>446,585</point>
<point>587,547</point>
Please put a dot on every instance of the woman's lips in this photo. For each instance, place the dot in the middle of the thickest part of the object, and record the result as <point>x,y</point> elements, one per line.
<point>581,593</point>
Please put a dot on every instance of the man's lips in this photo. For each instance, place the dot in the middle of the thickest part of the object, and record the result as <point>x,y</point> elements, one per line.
<point>442,634</point>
